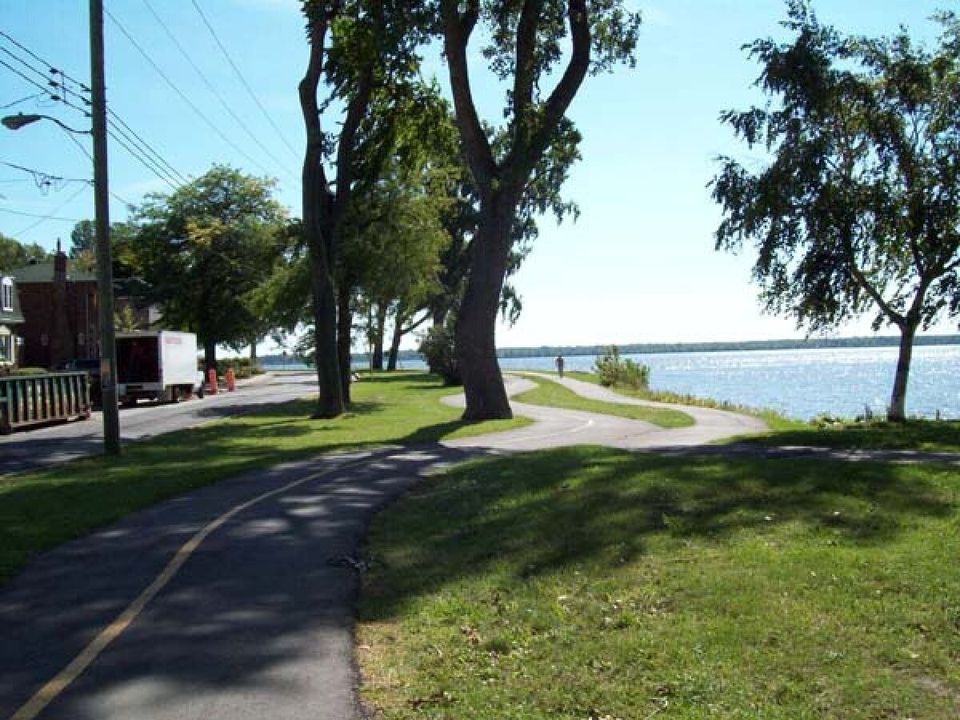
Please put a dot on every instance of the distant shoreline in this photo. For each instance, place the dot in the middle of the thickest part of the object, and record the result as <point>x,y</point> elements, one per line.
<point>663,348</point>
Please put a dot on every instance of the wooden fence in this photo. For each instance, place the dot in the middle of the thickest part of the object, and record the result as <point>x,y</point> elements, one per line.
<point>31,399</point>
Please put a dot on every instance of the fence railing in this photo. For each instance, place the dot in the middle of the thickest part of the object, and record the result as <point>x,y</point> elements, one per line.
<point>31,399</point>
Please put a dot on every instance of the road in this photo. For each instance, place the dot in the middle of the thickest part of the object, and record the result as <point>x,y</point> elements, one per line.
<point>55,444</point>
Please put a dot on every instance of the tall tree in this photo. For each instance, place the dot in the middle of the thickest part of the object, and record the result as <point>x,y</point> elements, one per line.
<point>526,47</point>
<point>358,49</point>
<point>14,254</point>
<point>859,207</point>
<point>204,247</point>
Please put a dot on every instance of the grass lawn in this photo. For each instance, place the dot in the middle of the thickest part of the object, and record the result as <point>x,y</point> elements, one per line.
<point>554,394</point>
<point>590,583</point>
<point>42,509</point>
<point>774,420</point>
<point>925,435</point>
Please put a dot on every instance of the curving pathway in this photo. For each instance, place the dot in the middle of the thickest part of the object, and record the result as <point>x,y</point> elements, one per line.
<point>235,601</point>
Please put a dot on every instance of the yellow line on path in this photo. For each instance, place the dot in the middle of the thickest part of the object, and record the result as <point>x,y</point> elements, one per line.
<point>51,690</point>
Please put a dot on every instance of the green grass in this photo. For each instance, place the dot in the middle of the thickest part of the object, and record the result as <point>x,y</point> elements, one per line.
<point>923,435</point>
<point>553,394</point>
<point>774,420</point>
<point>590,583</point>
<point>42,509</point>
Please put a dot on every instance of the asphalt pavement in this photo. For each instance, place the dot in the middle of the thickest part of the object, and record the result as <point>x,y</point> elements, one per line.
<point>32,448</point>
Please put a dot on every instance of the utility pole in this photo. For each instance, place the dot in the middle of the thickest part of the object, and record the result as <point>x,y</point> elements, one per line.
<point>101,190</point>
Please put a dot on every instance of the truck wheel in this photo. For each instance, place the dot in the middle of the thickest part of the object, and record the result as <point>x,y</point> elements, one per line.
<point>200,391</point>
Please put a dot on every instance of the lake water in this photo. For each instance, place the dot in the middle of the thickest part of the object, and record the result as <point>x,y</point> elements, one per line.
<point>797,383</point>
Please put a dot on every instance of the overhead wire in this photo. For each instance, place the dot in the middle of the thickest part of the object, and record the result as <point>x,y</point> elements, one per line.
<point>44,180</point>
<point>127,131</point>
<point>214,91</point>
<point>243,80</point>
<point>39,59</point>
<point>58,208</point>
<point>143,160</point>
<point>123,134</point>
<point>197,111</point>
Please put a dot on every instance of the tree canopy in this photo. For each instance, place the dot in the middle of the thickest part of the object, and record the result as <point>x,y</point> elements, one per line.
<point>858,209</point>
<point>204,248</point>
<point>14,254</point>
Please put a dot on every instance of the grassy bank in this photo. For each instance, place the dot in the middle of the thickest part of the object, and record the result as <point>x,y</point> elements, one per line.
<point>774,420</point>
<point>42,509</point>
<point>553,394</point>
<point>589,583</point>
<point>922,435</point>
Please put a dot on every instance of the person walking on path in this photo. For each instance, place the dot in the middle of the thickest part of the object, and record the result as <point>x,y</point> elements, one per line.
<point>559,362</point>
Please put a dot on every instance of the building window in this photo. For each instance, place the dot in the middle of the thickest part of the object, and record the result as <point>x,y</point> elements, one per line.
<point>6,349</point>
<point>6,294</point>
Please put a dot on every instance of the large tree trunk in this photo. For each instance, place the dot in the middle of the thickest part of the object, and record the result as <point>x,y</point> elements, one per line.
<point>210,354</point>
<point>395,338</point>
<point>476,324</point>
<point>898,398</point>
<point>330,402</point>
<point>380,321</point>
<point>253,353</point>
<point>344,328</point>
<point>318,226</point>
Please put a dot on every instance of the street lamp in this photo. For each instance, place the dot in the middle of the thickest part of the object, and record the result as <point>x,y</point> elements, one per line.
<point>101,191</point>
<point>15,122</point>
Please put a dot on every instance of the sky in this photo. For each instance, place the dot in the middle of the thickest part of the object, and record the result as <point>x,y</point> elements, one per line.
<point>638,265</point>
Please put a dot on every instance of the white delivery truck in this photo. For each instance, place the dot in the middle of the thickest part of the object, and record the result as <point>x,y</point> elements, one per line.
<point>158,365</point>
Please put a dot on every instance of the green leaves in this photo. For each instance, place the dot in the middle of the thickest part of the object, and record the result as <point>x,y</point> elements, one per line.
<point>859,207</point>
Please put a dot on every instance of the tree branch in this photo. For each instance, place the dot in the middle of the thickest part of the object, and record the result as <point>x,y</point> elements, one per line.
<point>561,97</point>
<point>415,324</point>
<point>525,71</point>
<point>456,35</point>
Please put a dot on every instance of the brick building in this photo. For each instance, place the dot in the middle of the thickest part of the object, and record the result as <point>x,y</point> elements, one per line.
<point>61,312</point>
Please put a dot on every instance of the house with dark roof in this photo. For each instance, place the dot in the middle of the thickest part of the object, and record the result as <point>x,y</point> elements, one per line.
<point>10,320</point>
<point>60,305</point>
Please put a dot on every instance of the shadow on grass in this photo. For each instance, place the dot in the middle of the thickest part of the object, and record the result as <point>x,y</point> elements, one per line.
<point>555,510</point>
<point>929,435</point>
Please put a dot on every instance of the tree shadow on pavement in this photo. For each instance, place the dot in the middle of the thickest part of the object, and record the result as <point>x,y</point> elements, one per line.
<point>264,605</point>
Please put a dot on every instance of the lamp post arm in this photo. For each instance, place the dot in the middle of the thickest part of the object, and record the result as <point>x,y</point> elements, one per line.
<point>15,122</point>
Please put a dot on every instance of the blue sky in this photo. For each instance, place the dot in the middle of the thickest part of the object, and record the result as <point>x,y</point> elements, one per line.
<point>638,266</point>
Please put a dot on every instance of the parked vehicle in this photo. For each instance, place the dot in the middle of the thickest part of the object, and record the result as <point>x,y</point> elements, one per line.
<point>157,365</point>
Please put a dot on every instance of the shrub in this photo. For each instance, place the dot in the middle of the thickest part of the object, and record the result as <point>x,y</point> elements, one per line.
<point>437,348</point>
<point>615,370</point>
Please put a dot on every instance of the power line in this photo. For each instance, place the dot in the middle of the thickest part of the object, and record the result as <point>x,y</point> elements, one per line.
<point>39,59</point>
<point>216,93</point>
<point>80,145</point>
<point>46,91</point>
<point>58,208</point>
<point>180,93</point>
<point>128,131</point>
<point>45,75</point>
<point>21,100</point>
<point>243,80</point>
<point>143,160</point>
<point>132,142</point>
<point>42,217</point>
<point>44,180</point>
<point>33,82</point>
